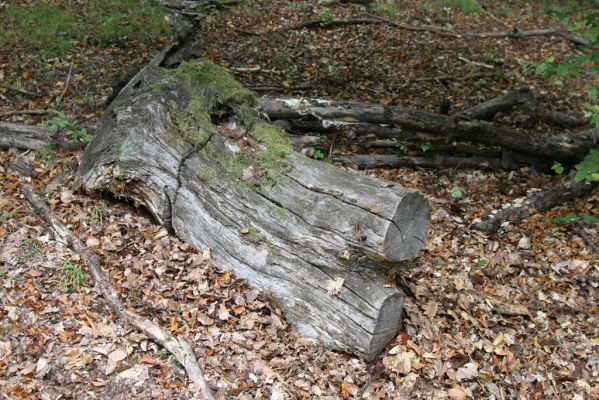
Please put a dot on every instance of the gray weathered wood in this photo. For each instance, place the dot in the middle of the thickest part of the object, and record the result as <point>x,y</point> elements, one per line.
<point>319,240</point>
<point>28,137</point>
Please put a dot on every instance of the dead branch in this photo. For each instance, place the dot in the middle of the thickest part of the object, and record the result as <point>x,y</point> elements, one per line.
<point>317,23</point>
<point>364,161</point>
<point>29,137</point>
<point>538,202</point>
<point>488,109</point>
<point>516,33</point>
<point>179,348</point>
<point>26,112</point>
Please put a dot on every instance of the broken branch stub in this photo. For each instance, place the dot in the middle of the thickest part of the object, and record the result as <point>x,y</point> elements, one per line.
<point>317,238</point>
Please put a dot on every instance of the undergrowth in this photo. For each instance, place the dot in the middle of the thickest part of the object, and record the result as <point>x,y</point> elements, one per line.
<point>49,28</point>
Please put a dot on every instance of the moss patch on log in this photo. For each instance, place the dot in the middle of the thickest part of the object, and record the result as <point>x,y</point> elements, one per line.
<point>212,85</point>
<point>269,163</point>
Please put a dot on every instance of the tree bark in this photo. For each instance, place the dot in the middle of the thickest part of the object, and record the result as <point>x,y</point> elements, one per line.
<point>318,238</point>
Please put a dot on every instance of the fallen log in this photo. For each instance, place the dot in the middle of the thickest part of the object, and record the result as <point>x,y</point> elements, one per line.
<point>180,348</point>
<point>365,161</point>
<point>318,238</point>
<point>537,202</point>
<point>28,137</point>
<point>567,148</point>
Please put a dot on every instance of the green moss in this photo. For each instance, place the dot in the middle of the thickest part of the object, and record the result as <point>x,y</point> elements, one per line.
<point>273,160</point>
<point>207,176</point>
<point>214,85</point>
<point>254,236</point>
<point>278,212</point>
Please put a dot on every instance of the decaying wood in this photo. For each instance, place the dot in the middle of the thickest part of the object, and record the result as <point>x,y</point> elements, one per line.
<point>365,161</point>
<point>569,148</point>
<point>319,238</point>
<point>180,348</point>
<point>503,103</point>
<point>537,202</point>
<point>28,137</point>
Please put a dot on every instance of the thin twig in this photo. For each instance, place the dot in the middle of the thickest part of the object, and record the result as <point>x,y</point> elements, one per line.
<point>26,112</point>
<point>66,86</point>
<point>179,348</point>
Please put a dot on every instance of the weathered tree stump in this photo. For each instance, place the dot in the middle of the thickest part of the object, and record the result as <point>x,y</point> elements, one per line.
<point>317,238</point>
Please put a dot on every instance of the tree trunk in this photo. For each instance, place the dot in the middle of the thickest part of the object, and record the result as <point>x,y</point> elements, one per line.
<point>318,238</point>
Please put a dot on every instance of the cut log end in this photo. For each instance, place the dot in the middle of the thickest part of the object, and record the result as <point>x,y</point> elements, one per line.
<point>409,227</point>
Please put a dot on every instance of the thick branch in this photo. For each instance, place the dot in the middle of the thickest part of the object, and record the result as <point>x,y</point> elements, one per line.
<point>488,109</point>
<point>538,202</point>
<point>28,137</point>
<point>364,161</point>
<point>179,348</point>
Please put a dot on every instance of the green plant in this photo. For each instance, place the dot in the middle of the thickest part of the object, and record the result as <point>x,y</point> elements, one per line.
<point>85,99</point>
<point>46,155</point>
<point>385,8</point>
<point>98,213</point>
<point>29,249</point>
<point>426,146</point>
<point>48,28</point>
<point>482,262</point>
<point>467,6</point>
<point>588,169</point>
<point>401,146</point>
<point>587,218</point>
<point>572,65</point>
<point>318,155</point>
<point>61,121</point>
<point>456,192</point>
<point>72,274</point>
<point>174,365</point>
<point>325,16</point>
<point>558,168</point>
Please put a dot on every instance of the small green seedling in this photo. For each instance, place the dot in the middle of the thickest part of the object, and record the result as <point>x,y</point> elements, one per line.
<point>456,192</point>
<point>325,16</point>
<point>29,249</point>
<point>318,155</point>
<point>61,121</point>
<point>401,146</point>
<point>174,365</point>
<point>558,168</point>
<point>426,146</point>
<point>98,213</point>
<point>72,275</point>
<point>482,262</point>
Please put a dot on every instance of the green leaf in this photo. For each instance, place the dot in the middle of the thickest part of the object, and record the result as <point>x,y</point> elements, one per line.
<point>571,217</point>
<point>558,168</point>
<point>318,155</point>
<point>589,218</point>
<point>456,192</point>
<point>482,262</point>
<point>558,219</point>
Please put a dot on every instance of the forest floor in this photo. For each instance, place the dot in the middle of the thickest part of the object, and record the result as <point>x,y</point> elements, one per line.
<point>507,316</point>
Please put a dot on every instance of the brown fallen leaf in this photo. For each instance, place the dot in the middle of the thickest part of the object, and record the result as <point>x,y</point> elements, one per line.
<point>456,393</point>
